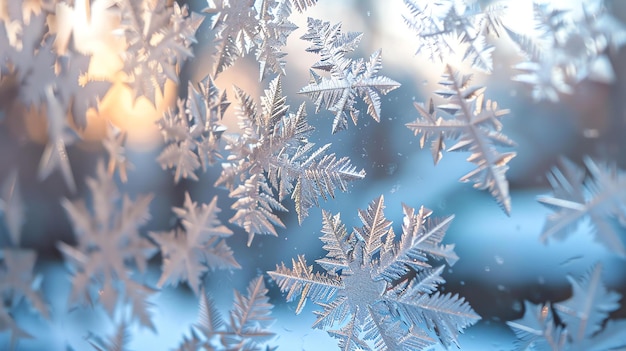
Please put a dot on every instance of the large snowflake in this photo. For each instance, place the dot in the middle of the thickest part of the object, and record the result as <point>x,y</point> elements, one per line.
<point>379,289</point>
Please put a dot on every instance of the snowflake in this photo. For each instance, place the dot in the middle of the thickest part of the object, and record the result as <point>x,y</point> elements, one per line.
<point>241,29</point>
<point>446,27</point>
<point>581,322</point>
<point>43,77</point>
<point>189,253</point>
<point>109,248</point>
<point>348,78</point>
<point>475,126</point>
<point>273,152</point>
<point>159,39</point>
<point>378,288</point>
<point>246,329</point>
<point>17,283</point>
<point>193,133</point>
<point>600,197</point>
<point>565,49</point>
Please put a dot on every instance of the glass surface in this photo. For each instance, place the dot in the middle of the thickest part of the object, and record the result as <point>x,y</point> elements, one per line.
<point>504,268</point>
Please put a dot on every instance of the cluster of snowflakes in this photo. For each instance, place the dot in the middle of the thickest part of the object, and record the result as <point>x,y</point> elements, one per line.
<point>376,290</point>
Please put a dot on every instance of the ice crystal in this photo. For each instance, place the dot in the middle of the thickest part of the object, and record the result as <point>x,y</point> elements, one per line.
<point>194,131</point>
<point>191,252</point>
<point>247,327</point>
<point>475,126</point>
<point>242,29</point>
<point>582,320</point>
<point>565,49</point>
<point>109,248</point>
<point>348,78</point>
<point>599,196</point>
<point>455,27</point>
<point>273,152</point>
<point>159,39</point>
<point>379,289</point>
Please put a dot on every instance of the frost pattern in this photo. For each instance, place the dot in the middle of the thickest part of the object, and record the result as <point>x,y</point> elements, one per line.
<point>380,289</point>
<point>348,78</point>
<point>475,126</point>
<point>582,320</point>
<point>247,327</point>
<point>191,251</point>
<point>599,196</point>
<point>273,152</point>
<point>110,248</point>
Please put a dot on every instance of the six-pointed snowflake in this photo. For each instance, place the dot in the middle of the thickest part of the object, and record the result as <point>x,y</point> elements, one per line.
<point>379,289</point>
<point>110,247</point>
<point>475,126</point>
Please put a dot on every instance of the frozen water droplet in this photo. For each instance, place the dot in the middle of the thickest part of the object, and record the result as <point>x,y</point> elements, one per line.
<point>391,168</point>
<point>487,269</point>
<point>462,282</point>
<point>501,287</point>
<point>369,13</point>
<point>499,260</point>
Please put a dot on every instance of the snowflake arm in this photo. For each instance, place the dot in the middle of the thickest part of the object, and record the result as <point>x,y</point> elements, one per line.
<point>12,207</point>
<point>599,197</point>
<point>247,328</point>
<point>301,283</point>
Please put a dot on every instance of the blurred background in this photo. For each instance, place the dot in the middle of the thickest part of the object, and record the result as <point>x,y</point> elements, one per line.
<point>502,263</point>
